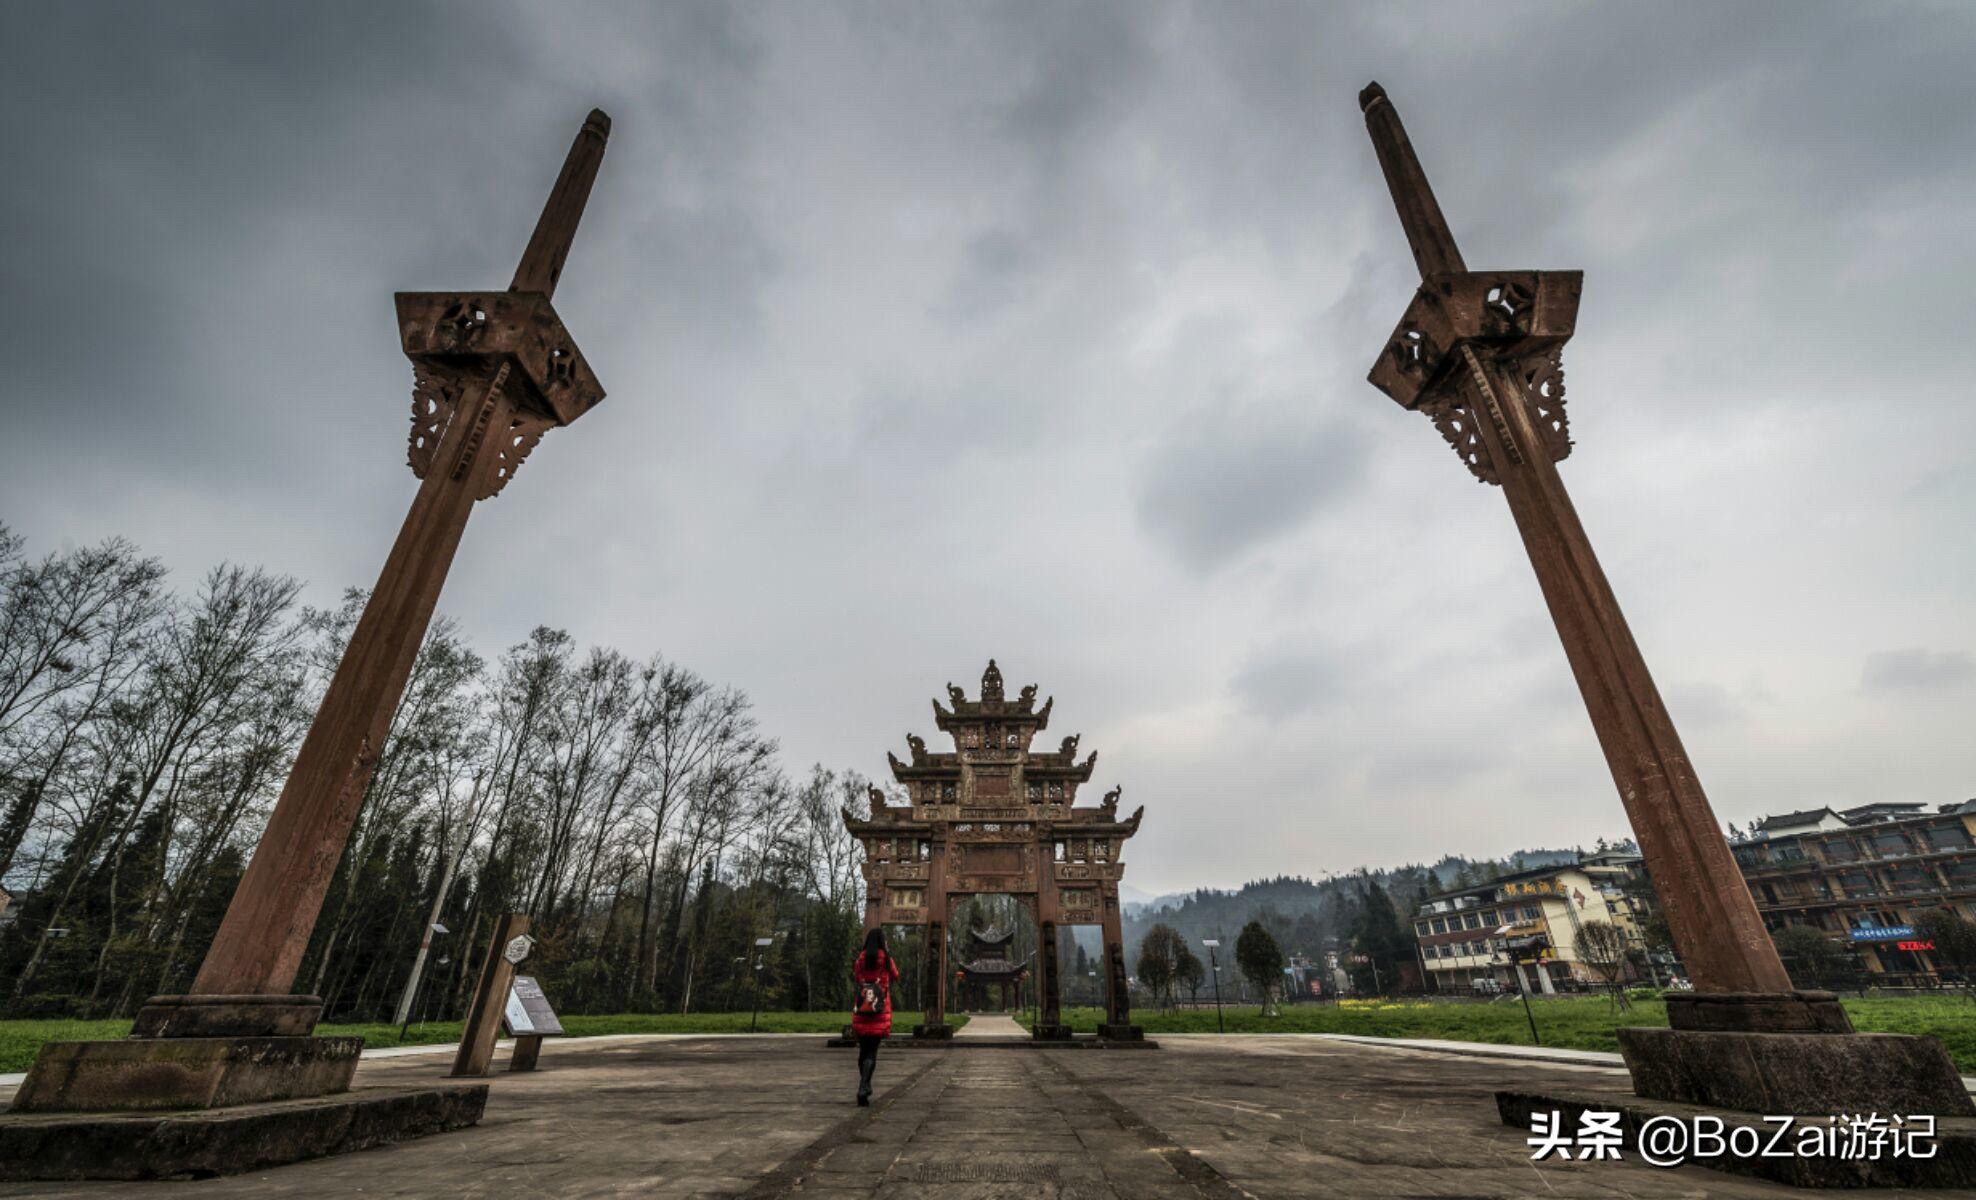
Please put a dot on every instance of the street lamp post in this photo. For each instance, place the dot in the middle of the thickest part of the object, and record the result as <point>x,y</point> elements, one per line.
<point>761,953</point>
<point>406,1023</point>
<point>1214,969</point>
<point>1521,988</point>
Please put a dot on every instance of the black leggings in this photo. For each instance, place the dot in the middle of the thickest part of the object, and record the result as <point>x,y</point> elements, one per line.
<point>867,1059</point>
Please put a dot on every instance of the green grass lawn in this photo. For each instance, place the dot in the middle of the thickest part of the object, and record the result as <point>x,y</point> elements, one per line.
<point>1575,1022</point>
<point>21,1040</point>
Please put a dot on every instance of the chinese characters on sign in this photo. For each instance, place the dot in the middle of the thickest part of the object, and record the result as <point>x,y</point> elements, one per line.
<point>1669,1141</point>
<point>1534,887</point>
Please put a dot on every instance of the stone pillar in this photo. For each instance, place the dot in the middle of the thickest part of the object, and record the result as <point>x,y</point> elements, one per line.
<point>1480,354</point>
<point>936,996</point>
<point>1462,363</point>
<point>1118,1024</point>
<point>1543,979</point>
<point>1049,986</point>
<point>939,912</point>
<point>492,373</point>
<point>259,946</point>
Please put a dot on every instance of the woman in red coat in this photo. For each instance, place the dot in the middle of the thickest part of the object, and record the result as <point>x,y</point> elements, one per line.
<point>873,972</point>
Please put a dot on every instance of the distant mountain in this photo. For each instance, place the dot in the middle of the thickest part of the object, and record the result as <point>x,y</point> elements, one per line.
<point>1131,899</point>
<point>1310,916</point>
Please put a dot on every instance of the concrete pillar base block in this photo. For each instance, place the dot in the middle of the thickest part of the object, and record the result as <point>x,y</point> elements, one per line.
<point>1758,1012</point>
<point>150,1074</point>
<point>939,1032</point>
<point>228,1141</point>
<point>227,1016</point>
<point>1807,1073</point>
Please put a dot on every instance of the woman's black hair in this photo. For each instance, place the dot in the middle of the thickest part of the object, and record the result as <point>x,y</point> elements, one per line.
<point>874,947</point>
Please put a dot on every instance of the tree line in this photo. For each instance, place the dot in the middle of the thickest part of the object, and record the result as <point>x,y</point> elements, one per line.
<point>637,810</point>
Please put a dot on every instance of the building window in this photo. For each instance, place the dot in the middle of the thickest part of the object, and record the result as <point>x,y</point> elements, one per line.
<point>1471,921</point>
<point>1948,837</point>
<point>1910,878</point>
<point>1892,845</point>
<point>1440,924</point>
<point>1842,850</point>
<point>1531,912</point>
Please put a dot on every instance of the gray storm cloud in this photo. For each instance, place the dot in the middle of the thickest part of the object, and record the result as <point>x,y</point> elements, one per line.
<point>936,332</point>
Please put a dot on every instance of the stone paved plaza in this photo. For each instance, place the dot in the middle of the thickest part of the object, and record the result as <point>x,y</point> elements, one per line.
<point>772,1116</point>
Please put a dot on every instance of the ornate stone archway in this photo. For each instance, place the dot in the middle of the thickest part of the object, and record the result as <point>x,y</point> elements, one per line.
<point>993,816</point>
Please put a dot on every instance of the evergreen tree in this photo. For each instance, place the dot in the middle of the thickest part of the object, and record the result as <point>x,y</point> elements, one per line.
<point>1260,961</point>
<point>1159,954</point>
<point>1189,973</point>
<point>1382,936</point>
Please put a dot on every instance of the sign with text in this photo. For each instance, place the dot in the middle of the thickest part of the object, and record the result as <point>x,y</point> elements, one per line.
<point>1880,933</point>
<point>1533,887</point>
<point>528,1010</point>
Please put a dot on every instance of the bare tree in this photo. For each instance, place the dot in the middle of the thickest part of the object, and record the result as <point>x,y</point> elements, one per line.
<point>1602,946</point>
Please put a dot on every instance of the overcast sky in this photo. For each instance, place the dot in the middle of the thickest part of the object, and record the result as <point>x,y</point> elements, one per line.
<point>1038,331</point>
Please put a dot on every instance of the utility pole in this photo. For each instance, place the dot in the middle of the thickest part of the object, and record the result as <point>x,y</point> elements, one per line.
<point>761,954</point>
<point>1214,969</point>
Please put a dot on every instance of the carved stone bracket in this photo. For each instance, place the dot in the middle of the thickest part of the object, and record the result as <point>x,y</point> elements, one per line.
<point>1464,329</point>
<point>1457,425</point>
<point>1470,397</point>
<point>1542,376</point>
<point>438,394</point>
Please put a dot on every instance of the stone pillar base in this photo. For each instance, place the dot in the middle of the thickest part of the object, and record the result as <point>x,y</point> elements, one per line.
<point>1050,1033</point>
<point>227,1016</point>
<point>140,1074</point>
<point>1122,1033</point>
<point>1758,1012</point>
<point>938,1032</point>
<point>1809,1074</point>
<point>228,1141</point>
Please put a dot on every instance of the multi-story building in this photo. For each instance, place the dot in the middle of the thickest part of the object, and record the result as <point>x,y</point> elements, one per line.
<point>1864,874</point>
<point>1483,938</point>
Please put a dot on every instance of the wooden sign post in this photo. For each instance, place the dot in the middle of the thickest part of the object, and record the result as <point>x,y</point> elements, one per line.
<point>490,996</point>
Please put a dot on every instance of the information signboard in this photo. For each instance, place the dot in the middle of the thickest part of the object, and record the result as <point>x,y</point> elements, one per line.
<point>528,1010</point>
